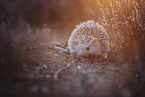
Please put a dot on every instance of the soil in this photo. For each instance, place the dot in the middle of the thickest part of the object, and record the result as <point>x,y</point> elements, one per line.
<point>44,71</point>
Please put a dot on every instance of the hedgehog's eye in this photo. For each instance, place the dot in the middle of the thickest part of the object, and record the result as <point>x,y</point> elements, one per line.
<point>87,48</point>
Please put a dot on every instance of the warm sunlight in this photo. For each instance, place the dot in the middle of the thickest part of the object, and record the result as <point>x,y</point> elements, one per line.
<point>72,48</point>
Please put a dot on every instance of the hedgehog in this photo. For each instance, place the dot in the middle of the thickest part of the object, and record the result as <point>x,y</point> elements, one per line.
<point>89,38</point>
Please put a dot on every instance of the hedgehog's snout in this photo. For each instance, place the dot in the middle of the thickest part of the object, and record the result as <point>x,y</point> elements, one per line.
<point>86,51</point>
<point>87,48</point>
<point>83,50</point>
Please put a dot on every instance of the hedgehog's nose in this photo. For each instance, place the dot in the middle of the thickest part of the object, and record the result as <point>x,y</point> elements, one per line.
<point>87,48</point>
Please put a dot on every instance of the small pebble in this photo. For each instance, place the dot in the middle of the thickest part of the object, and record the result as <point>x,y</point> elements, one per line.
<point>137,75</point>
<point>47,76</point>
<point>34,88</point>
<point>79,67</point>
<point>45,89</point>
<point>45,66</point>
<point>68,64</point>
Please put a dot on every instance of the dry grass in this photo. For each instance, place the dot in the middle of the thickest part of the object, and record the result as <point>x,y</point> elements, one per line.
<point>40,70</point>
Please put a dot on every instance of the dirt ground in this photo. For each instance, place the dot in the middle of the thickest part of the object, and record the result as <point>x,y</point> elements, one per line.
<point>34,61</point>
<point>37,69</point>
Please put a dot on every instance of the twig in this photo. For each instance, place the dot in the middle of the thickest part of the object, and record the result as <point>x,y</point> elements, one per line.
<point>60,48</point>
<point>58,71</point>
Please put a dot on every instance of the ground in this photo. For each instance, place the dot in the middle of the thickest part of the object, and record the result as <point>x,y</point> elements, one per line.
<point>45,71</point>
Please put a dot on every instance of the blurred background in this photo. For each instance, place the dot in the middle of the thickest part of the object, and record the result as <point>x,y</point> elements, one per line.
<point>29,28</point>
<point>58,14</point>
